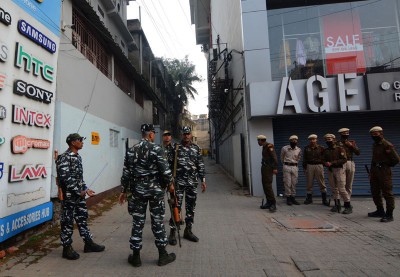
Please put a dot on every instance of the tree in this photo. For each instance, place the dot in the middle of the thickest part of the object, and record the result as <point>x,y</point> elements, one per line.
<point>183,75</point>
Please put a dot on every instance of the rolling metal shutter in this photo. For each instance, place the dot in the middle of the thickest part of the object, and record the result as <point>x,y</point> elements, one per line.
<point>359,124</point>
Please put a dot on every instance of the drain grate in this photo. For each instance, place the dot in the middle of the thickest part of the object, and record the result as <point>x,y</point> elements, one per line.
<point>305,223</point>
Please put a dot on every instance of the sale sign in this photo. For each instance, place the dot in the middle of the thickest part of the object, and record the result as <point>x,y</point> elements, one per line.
<point>343,43</point>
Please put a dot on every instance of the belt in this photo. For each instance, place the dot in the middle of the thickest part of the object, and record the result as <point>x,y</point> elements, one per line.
<point>314,163</point>
<point>291,164</point>
<point>379,165</point>
<point>145,178</point>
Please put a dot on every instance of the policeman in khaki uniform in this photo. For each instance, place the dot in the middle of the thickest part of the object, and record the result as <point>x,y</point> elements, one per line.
<point>290,157</point>
<point>334,158</point>
<point>312,165</point>
<point>269,167</point>
<point>351,149</point>
<point>384,156</point>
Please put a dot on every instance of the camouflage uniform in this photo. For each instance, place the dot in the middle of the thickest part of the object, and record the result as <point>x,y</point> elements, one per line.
<point>146,174</point>
<point>168,154</point>
<point>70,177</point>
<point>190,167</point>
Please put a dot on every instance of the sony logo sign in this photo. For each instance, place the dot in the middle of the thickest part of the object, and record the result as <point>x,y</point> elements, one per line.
<point>32,92</point>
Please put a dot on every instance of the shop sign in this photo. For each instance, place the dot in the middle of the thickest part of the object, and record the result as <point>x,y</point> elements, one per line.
<point>28,172</point>
<point>24,220</point>
<point>5,17</point>
<point>32,92</point>
<point>21,144</point>
<point>36,36</point>
<point>2,140</point>
<point>3,112</point>
<point>3,52</point>
<point>1,169</point>
<point>288,96</point>
<point>30,117</point>
<point>31,63</point>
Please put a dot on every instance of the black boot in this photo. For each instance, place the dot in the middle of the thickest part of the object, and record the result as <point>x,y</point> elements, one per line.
<point>324,201</point>
<point>294,201</point>
<point>380,212</point>
<point>69,253</point>
<point>134,259</point>
<point>266,205</point>
<point>337,207</point>
<point>172,237</point>
<point>91,246</point>
<point>164,258</point>
<point>289,201</point>
<point>308,199</point>
<point>272,208</point>
<point>187,234</point>
<point>348,209</point>
<point>388,216</point>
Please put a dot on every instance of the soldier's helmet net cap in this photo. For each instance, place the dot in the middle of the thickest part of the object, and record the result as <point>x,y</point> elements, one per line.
<point>147,128</point>
<point>74,136</point>
<point>376,129</point>
<point>186,130</point>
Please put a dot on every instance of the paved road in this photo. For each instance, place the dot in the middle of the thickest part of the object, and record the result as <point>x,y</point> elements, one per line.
<point>237,239</point>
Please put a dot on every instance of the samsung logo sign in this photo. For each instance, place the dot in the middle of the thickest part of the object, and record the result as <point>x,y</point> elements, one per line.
<point>36,36</point>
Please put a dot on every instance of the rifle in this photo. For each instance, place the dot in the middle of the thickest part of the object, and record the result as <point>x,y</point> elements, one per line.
<point>60,192</point>
<point>173,206</point>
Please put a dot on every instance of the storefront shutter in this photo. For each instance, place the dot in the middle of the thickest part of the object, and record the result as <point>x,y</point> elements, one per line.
<point>359,125</point>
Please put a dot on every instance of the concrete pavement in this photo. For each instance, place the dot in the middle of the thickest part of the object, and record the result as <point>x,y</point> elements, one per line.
<point>237,239</point>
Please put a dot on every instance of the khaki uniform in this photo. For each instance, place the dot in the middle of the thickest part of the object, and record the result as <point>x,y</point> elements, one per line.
<point>312,164</point>
<point>290,158</point>
<point>351,149</point>
<point>384,156</point>
<point>336,155</point>
<point>269,163</point>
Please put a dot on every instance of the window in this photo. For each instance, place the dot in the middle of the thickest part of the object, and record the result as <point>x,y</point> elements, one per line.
<point>122,79</point>
<point>114,135</point>
<point>85,40</point>
<point>344,37</point>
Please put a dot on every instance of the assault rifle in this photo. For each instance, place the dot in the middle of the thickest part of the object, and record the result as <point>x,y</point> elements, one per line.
<point>60,192</point>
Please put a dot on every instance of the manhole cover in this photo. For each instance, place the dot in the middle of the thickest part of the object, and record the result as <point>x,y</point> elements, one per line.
<point>305,223</point>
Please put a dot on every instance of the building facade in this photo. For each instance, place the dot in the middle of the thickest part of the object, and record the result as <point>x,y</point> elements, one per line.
<point>300,67</point>
<point>67,67</point>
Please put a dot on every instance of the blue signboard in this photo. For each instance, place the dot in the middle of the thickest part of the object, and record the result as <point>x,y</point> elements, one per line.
<point>36,36</point>
<point>48,12</point>
<point>24,220</point>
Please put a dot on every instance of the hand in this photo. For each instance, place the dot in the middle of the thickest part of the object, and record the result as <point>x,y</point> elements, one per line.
<point>203,186</point>
<point>328,164</point>
<point>90,192</point>
<point>171,188</point>
<point>275,171</point>
<point>122,198</point>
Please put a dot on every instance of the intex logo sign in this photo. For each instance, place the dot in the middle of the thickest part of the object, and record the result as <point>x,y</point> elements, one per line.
<point>29,172</point>
<point>32,92</point>
<point>21,144</point>
<point>30,117</point>
<point>36,36</point>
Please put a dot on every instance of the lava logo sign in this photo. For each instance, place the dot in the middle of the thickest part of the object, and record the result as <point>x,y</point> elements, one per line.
<point>1,170</point>
<point>21,144</point>
<point>29,172</point>
<point>2,140</point>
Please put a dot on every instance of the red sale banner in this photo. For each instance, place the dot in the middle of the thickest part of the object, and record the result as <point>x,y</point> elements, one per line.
<point>343,43</point>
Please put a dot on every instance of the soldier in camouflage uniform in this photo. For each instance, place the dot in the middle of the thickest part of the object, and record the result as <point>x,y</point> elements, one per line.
<point>334,158</point>
<point>351,149</point>
<point>269,168</point>
<point>190,168</point>
<point>70,178</point>
<point>146,175</point>
<point>168,148</point>
<point>384,156</point>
